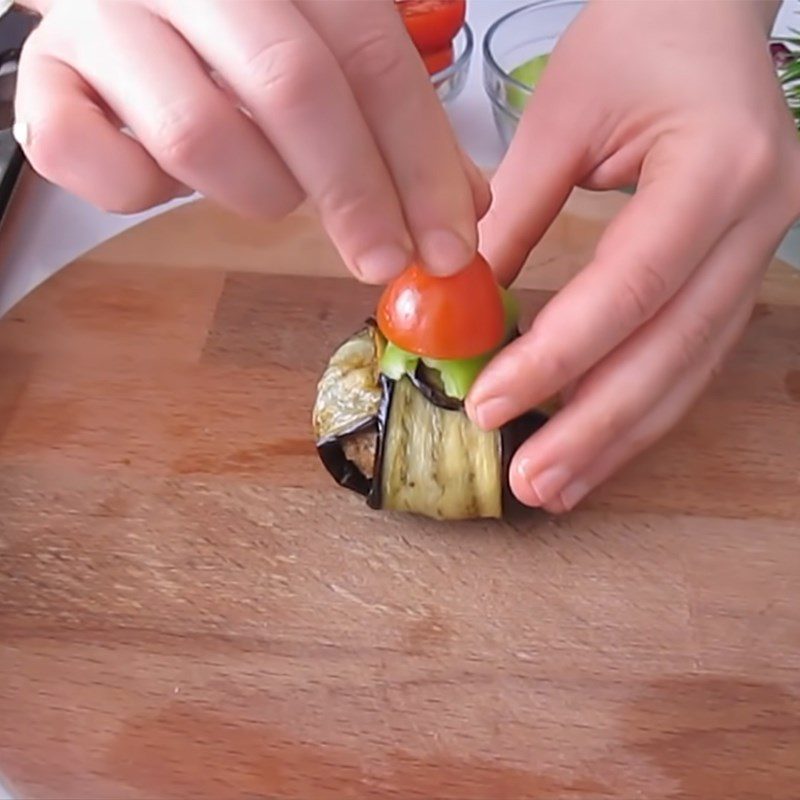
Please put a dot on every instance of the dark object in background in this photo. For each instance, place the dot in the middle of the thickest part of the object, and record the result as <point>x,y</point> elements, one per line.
<point>14,29</point>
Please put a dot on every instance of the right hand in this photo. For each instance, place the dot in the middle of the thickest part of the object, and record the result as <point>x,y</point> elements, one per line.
<point>701,127</point>
<point>309,98</point>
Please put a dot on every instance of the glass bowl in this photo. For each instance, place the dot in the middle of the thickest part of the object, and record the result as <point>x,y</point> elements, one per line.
<point>449,83</point>
<point>512,41</point>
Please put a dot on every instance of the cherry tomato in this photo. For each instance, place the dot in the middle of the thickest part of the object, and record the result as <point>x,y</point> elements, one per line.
<point>439,61</point>
<point>432,24</point>
<point>460,316</point>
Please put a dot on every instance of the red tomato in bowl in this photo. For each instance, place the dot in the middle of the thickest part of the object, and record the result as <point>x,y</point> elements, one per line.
<point>432,24</point>
<point>460,316</point>
<point>438,61</point>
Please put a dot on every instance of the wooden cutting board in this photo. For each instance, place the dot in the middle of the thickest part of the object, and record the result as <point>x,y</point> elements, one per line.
<point>189,608</point>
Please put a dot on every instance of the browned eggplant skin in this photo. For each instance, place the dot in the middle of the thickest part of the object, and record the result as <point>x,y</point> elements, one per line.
<point>349,476</point>
<point>375,498</point>
<point>332,446</point>
<point>433,394</point>
<point>512,435</point>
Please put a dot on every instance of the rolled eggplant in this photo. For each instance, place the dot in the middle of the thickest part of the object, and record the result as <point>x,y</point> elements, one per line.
<point>405,444</point>
<point>347,410</point>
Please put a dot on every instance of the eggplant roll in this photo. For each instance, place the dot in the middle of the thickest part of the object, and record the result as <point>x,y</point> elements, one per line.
<point>404,444</point>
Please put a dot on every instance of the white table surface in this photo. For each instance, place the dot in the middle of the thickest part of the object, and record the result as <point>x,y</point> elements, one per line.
<point>46,228</point>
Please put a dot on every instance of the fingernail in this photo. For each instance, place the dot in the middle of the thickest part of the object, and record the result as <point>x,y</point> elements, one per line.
<point>444,252</point>
<point>382,263</point>
<point>546,484</point>
<point>492,413</point>
<point>21,132</point>
<point>574,493</point>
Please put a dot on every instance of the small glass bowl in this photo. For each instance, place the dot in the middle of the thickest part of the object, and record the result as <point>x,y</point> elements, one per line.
<point>450,82</point>
<point>511,41</point>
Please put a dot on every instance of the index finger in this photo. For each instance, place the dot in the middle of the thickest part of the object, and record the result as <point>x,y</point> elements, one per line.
<point>644,257</point>
<point>406,118</point>
<point>294,89</point>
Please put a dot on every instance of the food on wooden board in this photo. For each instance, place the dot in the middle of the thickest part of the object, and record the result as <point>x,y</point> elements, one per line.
<point>389,418</point>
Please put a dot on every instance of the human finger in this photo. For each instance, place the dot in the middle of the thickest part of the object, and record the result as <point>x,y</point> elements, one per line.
<point>409,125</point>
<point>179,114</point>
<point>293,87</point>
<point>686,337</point>
<point>656,422</point>
<point>69,140</point>
<point>547,157</point>
<point>480,186</point>
<point>644,257</point>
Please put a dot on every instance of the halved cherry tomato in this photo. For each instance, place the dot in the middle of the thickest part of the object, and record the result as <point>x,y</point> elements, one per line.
<point>439,61</point>
<point>460,316</point>
<point>432,24</point>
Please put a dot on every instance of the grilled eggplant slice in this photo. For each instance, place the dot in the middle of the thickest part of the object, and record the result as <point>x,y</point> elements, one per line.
<point>436,462</point>
<point>345,418</point>
<point>349,391</point>
<point>405,444</point>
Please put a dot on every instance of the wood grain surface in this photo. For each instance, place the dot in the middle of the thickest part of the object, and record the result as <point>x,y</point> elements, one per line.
<point>190,609</point>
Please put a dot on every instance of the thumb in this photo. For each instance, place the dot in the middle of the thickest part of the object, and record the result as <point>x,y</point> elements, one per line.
<point>546,159</point>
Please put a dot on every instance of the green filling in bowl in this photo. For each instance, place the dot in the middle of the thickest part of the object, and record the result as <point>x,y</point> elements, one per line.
<point>528,74</point>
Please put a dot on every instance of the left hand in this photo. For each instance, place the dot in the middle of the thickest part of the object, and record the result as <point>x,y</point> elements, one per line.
<point>680,98</point>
